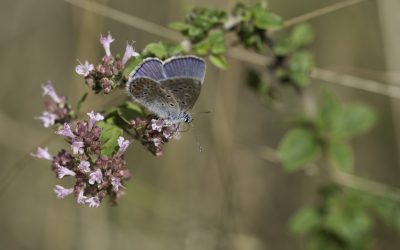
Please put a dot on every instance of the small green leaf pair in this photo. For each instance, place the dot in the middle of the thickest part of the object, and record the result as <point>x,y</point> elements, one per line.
<point>214,47</point>
<point>113,126</point>
<point>328,132</point>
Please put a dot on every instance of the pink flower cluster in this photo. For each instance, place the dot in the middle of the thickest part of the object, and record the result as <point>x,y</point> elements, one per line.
<point>153,133</point>
<point>97,176</point>
<point>106,75</point>
<point>57,108</point>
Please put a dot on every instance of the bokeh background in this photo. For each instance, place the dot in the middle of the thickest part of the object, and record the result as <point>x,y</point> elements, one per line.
<point>225,197</point>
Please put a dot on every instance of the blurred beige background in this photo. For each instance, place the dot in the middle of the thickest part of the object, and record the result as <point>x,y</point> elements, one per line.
<point>226,197</point>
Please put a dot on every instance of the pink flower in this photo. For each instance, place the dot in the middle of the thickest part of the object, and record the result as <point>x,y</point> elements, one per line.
<point>81,199</point>
<point>77,147</point>
<point>93,202</point>
<point>84,166</point>
<point>84,69</point>
<point>116,183</point>
<point>63,171</point>
<point>157,125</point>
<point>129,52</point>
<point>42,153</point>
<point>62,192</point>
<point>123,145</point>
<point>48,119</point>
<point>94,117</point>
<point>66,131</point>
<point>106,41</point>
<point>95,176</point>
<point>48,90</point>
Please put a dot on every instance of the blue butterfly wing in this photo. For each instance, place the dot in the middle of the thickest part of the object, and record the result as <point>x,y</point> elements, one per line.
<point>150,68</point>
<point>185,67</point>
<point>169,88</point>
<point>185,91</point>
<point>149,94</point>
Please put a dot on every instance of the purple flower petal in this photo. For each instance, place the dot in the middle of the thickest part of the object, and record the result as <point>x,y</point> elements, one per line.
<point>62,192</point>
<point>63,171</point>
<point>81,199</point>
<point>123,145</point>
<point>93,201</point>
<point>94,117</point>
<point>106,41</point>
<point>42,153</point>
<point>129,52</point>
<point>77,147</point>
<point>116,183</point>
<point>48,90</point>
<point>157,124</point>
<point>48,119</point>
<point>84,69</point>
<point>95,176</point>
<point>66,131</point>
<point>84,167</point>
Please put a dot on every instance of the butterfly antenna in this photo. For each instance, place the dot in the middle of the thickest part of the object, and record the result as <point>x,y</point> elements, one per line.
<point>196,137</point>
<point>203,112</point>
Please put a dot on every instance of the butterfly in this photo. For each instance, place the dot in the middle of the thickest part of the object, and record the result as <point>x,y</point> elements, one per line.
<point>169,88</point>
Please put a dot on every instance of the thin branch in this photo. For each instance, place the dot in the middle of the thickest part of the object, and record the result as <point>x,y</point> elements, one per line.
<point>390,90</point>
<point>130,20</point>
<point>321,12</point>
<point>247,56</point>
<point>344,179</point>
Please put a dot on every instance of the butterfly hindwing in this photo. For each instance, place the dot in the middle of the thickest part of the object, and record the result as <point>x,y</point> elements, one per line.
<point>147,92</point>
<point>185,91</point>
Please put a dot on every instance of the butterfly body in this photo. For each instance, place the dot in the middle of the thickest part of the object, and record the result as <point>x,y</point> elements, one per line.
<point>168,88</point>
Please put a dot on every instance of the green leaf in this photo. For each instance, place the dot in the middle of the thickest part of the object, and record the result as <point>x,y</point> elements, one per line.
<point>340,155</point>
<point>264,19</point>
<point>348,220</point>
<point>131,65</point>
<point>179,26</point>
<point>81,101</point>
<point>329,110</point>
<point>302,35</point>
<point>129,111</point>
<point>202,47</point>
<point>300,67</point>
<point>298,148</point>
<point>306,219</point>
<point>354,119</point>
<point>108,138</point>
<point>157,49</point>
<point>218,61</point>
<point>389,211</point>
<point>283,47</point>
<point>217,42</point>
<point>195,32</point>
<point>174,49</point>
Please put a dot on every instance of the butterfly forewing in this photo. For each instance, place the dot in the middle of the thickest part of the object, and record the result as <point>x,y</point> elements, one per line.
<point>150,68</point>
<point>148,93</point>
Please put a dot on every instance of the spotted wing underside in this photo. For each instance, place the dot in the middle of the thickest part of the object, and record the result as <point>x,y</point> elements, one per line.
<point>149,94</point>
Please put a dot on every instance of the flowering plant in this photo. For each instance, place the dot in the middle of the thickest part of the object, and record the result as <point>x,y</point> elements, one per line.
<point>97,146</point>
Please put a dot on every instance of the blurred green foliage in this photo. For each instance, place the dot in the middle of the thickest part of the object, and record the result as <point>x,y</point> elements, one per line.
<point>329,132</point>
<point>342,219</point>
